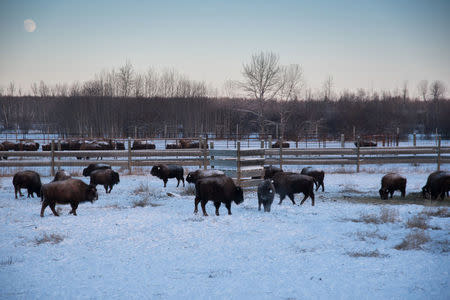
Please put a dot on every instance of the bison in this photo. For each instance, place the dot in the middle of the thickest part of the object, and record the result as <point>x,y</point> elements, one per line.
<point>61,175</point>
<point>92,167</point>
<point>365,144</point>
<point>29,180</point>
<point>283,145</point>
<point>70,191</point>
<point>438,184</point>
<point>270,171</point>
<point>266,193</point>
<point>142,145</point>
<point>165,172</point>
<point>287,183</point>
<point>219,189</point>
<point>318,176</point>
<point>173,146</point>
<point>390,183</point>
<point>105,177</point>
<point>192,177</point>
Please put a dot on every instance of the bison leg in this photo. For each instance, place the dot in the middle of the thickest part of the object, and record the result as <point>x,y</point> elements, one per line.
<point>106,188</point>
<point>203,208</point>
<point>197,201</point>
<point>304,198</point>
<point>228,206</point>
<point>182,178</point>
<point>52,207</point>
<point>74,208</point>
<point>44,205</point>
<point>17,190</point>
<point>392,193</point>
<point>403,191</point>
<point>217,205</point>
<point>30,193</point>
<point>259,205</point>
<point>323,187</point>
<point>110,188</point>
<point>291,196</point>
<point>165,182</point>
<point>282,196</point>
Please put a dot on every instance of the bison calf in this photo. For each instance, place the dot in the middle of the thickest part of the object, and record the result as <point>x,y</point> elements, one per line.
<point>70,191</point>
<point>105,177</point>
<point>192,177</point>
<point>287,183</point>
<point>219,189</point>
<point>266,193</point>
<point>29,180</point>
<point>392,182</point>
<point>165,172</point>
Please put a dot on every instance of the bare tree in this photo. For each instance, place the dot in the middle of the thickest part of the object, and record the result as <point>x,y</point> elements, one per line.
<point>230,89</point>
<point>11,88</point>
<point>437,89</point>
<point>125,78</point>
<point>422,88</point>
<point>262,81</point>
<point>138,85</point>
<point>44,91</point>
<point>327,88</point>
<point>75,89</point>
<point>151,83</point>
<point>405,91</point>
<point>34,89</point>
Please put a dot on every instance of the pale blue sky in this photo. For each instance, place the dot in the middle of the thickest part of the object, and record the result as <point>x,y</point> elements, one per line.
<point>363,44</point>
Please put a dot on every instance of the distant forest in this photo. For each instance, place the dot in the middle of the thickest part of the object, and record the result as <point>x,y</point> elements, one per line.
<point>103,116</point>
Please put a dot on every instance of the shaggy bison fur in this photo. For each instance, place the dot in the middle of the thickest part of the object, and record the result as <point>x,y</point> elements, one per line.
<point>266,193</point>
<point>92,167</point>
<point>105,177</point>
<point>270,171</point>
<point>61,175</point>
<point>29,180</point>
<point>70,191</point>
<point>390,183</point>
<point>288,184</point>
<point>192,177</point>
<point>219,189</point>
<point>165,172</point>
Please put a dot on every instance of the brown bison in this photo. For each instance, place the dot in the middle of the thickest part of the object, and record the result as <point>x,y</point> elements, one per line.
<point>70,191</point>
<point>105,177</point>
<point>120,146</point>
<point>365,144</point>
<point>92,167</point>
<point>287,183</point>
<point>318,176</point>
<point>192,177</point>
<point>277,145</point>
<point>8,146</point>
<point>390,183</point>
<point>219,189</point>
<point>142,145</point>
<point>29,180</point>
<point>28,146</point>
<point>61,175</point>
<point>266,193</point>
<point>165,172</point>
<point>270,171</point>
<point>173,146</point>
<point>438,184</point>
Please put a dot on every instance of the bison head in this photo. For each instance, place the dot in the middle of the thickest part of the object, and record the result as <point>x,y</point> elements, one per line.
<point>91,193</point>
<point>190,177</point>
<point>425,192</point>
<point>156,170</point>
<point>238,195</point>
<point>383,193</point>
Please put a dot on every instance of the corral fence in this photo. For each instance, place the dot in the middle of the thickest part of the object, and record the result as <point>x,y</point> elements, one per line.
<point>244,165</point>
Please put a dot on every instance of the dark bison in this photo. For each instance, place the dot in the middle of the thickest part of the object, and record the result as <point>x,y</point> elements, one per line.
<point>438,184</point>
<point>192,177</point>
<point>219,189</point>
<point>366,144</point>
<point>92,167</point>
<point>266,193</point>
<point>277,145</point>
<point>173,146</point>
<point>29,146</point>
<point>7,145</point>
<point>390,183</point>
<point>105,177</point>
<point>142,145</point>
<point>318,176</point>
<point>270,171</point>
<point>120,145</point>
<point>29,180</point>
<point>287,183</point>
<point>188,144</point>
<point>165,172</point>
<point>70,191</point>
<point>61,175</point>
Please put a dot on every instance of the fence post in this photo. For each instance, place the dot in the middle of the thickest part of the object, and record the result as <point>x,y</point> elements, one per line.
<point>270,144</point>
<point>439,154</point>
<point>52,148</point>
<point>238,162</point>
<point>357,155</point>
<point>129,155</point>
<point>414,140</point>
<point>59,149</point>
<point>342,140</point>
<point>205,154</point>
<point>281,152</point>
<point>211,146</point>
<point>397,136</point>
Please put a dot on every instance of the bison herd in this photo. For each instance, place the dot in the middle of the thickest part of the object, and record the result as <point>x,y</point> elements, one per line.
<point>210,185</point>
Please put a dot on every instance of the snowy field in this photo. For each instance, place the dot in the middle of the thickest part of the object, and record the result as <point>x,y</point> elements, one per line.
<point>140,242</point>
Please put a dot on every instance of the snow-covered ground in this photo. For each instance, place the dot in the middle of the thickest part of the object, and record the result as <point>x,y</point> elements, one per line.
<point>115,250</point>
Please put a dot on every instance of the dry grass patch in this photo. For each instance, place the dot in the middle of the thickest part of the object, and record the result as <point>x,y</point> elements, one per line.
<point>144,201</point>
<point>364,235</point>
<point>189,190</point>
<point>374,253</point>
<point>414,240</point>
<point>142,188</point>
<point>52,238</point>
<point>419,221</point>
<point>6,261</point>
<point>387,215</point>
<point>441,212</point>
<point>75,173</point>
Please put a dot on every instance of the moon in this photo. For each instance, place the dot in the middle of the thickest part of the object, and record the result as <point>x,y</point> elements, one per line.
<point>29,25</point>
